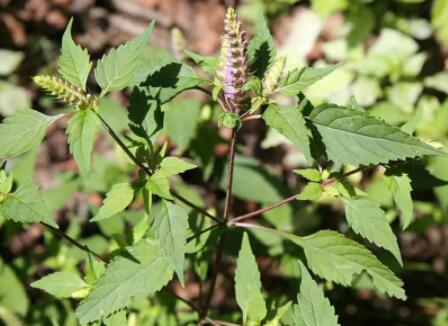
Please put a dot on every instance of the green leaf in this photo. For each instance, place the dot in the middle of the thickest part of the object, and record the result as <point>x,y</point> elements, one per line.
<point>26,205</point>
<point>23,131</point>
<point>261,49</point>
<point>173,165</point>
<point>229,120</point>
<point>290,123</point>
<point>158,184</point>
<point>171,228</point>
<point>312,191</point>
<point>74,62</point>
<point>253,182</point>
<point>400,187</point>
<point>354,137</point>
<point>313,308</point>
<point>439,16</point>
<point>309,174</point>
<point>115,70</point>
<point>367,219</point>
<point>298,80</point>
<point>248,285</point>
<point>145,114</point>
<point>170,80</point>
<point>207,63</point>
<point>117,199</point>
<point>144,270</point>
<point>81,131</point>
<point>338,259</point>
<point>12,292</point>
<point>116,319</point>
<point>61,284</point>
<point>181,121</point>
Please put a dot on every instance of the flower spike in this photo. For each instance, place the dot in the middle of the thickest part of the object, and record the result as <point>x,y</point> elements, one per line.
<point>233,65</point>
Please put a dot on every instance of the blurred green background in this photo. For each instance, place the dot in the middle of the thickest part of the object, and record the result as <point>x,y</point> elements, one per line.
<point>395,55</point>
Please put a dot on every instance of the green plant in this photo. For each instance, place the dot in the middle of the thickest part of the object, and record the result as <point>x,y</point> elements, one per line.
<point>175,229</point>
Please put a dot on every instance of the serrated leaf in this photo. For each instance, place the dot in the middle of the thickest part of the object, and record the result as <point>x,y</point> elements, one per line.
<point>312,191</point>
<point>26,205</point>
<point>115,70</point>
<point>297,80</point>
<point>74,62</point>
<point>290,123</point>
<point>171,228</point>
<point>116,319</point>
<point>207,63</point>
<point>174,165</point>
<point>355,137</point>
<point>170,80</point>
<point>338,259</point>
<point>309,174</point>
<point>313,308</point>
<point>158,184</point>
<point>248,285</point>
<point>61,284</point>
<point>145,114</point>
<point>367,219</point>
<point>81,131</point>
<point>144,270</point>
<point>23,131</point>
<point>400,187</point>
<point>117,199</point>
<point>261,49</point>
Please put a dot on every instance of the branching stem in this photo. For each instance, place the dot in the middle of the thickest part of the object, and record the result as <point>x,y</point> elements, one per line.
<point>325,183</point>
<point>72,241</point>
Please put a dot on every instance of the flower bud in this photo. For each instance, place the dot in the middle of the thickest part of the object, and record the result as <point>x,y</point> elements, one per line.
<point>272,78</point>
<point>63,90</point>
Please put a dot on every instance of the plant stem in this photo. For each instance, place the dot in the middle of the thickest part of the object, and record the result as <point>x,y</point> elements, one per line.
<point>194,206</point>
<point>230,168</point>
<point>251,117</point>
<point>146,169</point>
<point>72,241</point>
<point>325,183</point>
<point>212,227</point>
<point>227,205</point>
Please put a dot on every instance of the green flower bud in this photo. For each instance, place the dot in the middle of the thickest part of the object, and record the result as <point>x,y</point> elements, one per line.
<point>272,78</point>
<point>64,91</point>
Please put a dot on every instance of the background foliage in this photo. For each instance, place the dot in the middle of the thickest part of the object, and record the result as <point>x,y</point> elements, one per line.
<point>394,56</point>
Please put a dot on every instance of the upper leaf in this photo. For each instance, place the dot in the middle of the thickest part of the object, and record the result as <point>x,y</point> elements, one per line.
<point>74,62</point>
<point>158,184</point>
<point>366,218</point>
<point>173,165</point>
<point>143,271</point>
<point>23,132</point>
<point>115,69</point>
<point>290,123</point>
<point>338,259</point>
<point>298,80</point>
<point>354,137</point>
<point>207,63</point>
<point>170,80</point>
<point>26,205</point>
<point>313,308</point>
<point>117,199</point>
<point>261,49</point>
<point>61,284</point>
<point>81,131</point>
<point>145,114</point>
<point>248,285</point>
<point>171,227</point>
<point>400,187</point>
